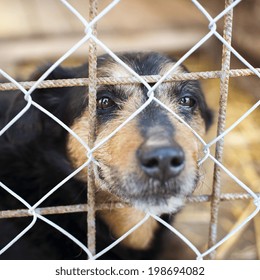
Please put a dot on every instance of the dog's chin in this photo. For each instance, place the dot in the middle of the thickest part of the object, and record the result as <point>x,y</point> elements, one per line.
<point>149,196</point>
<point>155,197</point>
<point>159,206</point>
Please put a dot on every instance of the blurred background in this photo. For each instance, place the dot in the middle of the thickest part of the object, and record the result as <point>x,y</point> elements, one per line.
<point>33,32</point>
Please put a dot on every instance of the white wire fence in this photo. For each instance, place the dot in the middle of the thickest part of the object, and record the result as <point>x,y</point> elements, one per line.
<point>89,27</point>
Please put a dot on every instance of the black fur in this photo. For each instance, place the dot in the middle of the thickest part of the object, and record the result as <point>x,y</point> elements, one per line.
<point>33,159</point>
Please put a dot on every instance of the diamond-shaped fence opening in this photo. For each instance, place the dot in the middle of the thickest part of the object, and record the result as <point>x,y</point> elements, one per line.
<point>211,152</point>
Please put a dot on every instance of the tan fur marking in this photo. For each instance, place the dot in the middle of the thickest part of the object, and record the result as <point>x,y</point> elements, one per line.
<point>124,144</point>
<point>127,218</point>
<point>113,69</point>
<point>77,152</point>
<point>168,66</point>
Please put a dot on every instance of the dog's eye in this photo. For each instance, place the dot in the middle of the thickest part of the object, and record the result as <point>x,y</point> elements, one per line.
<point>187,101</point>
<point>105,103</point>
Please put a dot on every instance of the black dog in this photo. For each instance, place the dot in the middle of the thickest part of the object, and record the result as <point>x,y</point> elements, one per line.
<point>151,163</point>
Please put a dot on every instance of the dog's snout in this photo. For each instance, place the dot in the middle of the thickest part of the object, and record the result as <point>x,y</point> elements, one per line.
<point>161,162</point>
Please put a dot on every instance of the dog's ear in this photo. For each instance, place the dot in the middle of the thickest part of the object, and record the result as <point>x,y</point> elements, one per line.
<point>64,103</point>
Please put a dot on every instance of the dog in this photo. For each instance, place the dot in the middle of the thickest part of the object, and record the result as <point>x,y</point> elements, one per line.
<point>150,164</point>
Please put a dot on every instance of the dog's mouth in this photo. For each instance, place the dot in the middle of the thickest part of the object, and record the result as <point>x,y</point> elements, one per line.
<point>148,194</point>
<point>156,196</point>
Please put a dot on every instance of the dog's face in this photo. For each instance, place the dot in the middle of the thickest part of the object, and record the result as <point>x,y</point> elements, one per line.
<point>150,163</point>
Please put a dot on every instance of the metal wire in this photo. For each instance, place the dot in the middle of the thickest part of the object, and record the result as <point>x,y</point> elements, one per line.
<point>78,82</point>
<point>93,81</point>
<point>91,133</point>
<point>224,84</point>
<point>16,213</point>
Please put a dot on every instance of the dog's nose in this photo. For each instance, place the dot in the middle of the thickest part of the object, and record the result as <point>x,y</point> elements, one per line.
<point>162,163</point>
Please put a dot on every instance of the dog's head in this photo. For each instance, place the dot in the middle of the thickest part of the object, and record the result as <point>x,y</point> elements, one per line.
<point>151,162</point>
